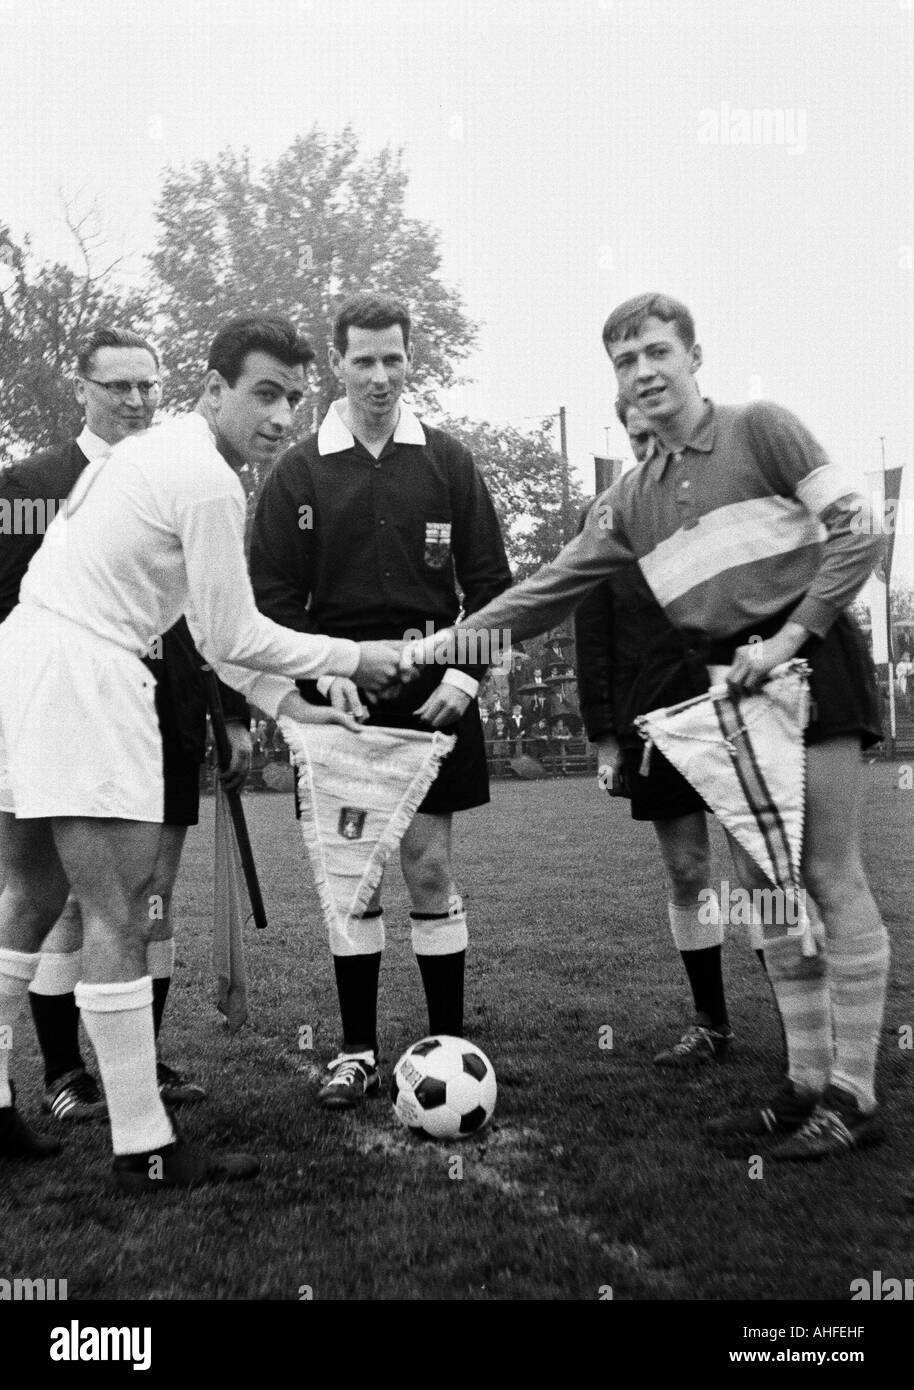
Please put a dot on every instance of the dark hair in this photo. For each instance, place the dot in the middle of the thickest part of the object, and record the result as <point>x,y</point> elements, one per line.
<point>628,319</point>
<point>110,337</point>
<point>369,311</point>
<point>257,333</point>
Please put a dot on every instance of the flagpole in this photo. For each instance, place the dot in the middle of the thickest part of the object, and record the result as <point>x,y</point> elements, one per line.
<point>888,618</point>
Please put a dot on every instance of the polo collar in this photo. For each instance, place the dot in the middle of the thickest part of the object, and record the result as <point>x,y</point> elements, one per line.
<point>701,440</point>
<point>335,437</point>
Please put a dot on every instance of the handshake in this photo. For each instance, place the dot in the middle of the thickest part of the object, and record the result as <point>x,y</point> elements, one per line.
<point>385,666</point>
<point>383,669</point>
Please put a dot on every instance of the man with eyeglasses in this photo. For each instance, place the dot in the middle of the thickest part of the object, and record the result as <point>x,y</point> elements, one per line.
<point>117,384</point>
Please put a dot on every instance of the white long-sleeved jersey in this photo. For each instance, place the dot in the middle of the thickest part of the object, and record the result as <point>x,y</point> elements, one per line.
<point>155,530</point>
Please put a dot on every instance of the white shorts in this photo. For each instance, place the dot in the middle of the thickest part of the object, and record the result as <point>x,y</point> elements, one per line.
<point>79,735</point>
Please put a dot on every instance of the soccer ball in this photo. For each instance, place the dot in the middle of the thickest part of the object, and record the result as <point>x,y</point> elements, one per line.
<point>444,1087</point>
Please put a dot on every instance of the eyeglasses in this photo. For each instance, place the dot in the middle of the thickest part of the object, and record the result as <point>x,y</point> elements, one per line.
<point>119,390</point>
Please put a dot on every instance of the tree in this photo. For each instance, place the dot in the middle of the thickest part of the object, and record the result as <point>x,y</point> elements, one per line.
<point>902,604</point>
<point>46,310</point>
<point>524,475</point>
<point>310,229</point>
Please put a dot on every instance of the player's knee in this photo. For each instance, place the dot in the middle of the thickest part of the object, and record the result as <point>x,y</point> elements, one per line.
<point>67,933</point>
<point>36,902</point>
<point>688,874</point>
<point>427,874</point>
<point>833,884</point>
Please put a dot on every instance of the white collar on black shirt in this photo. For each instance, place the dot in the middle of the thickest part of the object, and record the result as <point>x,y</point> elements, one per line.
<point>334,436</point>
<point>92,446</point>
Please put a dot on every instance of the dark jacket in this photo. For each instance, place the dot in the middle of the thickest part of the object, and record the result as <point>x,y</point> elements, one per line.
<point>42,479</point>
<point>630,657</point>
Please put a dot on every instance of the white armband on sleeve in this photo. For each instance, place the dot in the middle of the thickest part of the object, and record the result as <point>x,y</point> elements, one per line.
<point>823,487</point>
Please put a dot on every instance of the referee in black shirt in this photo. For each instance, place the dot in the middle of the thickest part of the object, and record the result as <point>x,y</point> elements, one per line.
<point>366,530</point>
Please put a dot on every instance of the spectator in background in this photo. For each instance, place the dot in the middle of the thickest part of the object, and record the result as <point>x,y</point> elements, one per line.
<point>518,725</point>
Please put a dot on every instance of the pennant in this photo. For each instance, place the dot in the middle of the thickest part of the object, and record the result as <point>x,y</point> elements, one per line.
<point>746,756</point>
<point>357,796</point>
<point>228,919</point>
<point>885,495</point>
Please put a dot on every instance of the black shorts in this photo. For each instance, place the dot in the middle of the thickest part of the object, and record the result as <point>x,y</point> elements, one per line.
<point>180,768</point>
<point>842,682</point>
<point>463,778</point>
<point>663,794</point>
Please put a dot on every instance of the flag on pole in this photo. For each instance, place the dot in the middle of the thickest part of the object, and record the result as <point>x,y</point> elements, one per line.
<point>357,796</point>
<point>228,919</point>
<point>746,756</point>
<point>606,472</point>
<point>885,494</point>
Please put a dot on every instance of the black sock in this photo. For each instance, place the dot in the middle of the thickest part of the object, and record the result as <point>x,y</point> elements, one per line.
<point>706,979</point>
<point>357,988</point>
<point>761,959</point>
<point>159,995</point>
<point>442,979</point>
<point>57,1026</point>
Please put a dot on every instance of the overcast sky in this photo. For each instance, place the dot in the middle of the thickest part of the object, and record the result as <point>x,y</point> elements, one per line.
<point>754,159</point>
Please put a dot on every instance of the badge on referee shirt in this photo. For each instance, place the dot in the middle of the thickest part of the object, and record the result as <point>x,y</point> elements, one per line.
<point>437,543</point>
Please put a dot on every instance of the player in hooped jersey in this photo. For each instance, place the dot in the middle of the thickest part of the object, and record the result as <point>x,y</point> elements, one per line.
<point>754,544</point>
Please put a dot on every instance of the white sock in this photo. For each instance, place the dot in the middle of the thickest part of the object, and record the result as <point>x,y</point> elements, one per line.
<point>696,928</point>
<point>440,936</point>
<point>16,970</point>
<point>57,973</point>
<point>366,937</point>
<point>118,1020</point>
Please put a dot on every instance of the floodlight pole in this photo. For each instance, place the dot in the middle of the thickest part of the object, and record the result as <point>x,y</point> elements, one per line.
<point>566,477</point>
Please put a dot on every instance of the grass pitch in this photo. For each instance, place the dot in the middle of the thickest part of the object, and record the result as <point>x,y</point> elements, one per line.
<point>594,1174</point>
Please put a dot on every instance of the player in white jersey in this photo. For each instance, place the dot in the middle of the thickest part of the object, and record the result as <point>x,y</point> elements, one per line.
<point>151,532</point>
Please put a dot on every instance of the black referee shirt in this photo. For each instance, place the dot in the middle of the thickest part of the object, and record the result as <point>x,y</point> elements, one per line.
<point>367,548</point>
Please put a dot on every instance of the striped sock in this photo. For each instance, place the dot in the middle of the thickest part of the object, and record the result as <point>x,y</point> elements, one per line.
<point>16,970</point>
<point>857,971</point>
<point>801,990</point>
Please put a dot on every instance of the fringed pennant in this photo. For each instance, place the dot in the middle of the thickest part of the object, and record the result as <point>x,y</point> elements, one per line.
<point>745,755</point>
<point>357,796</point>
